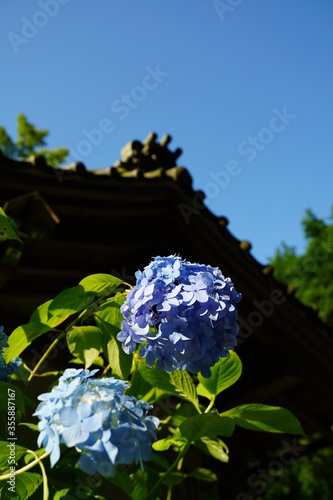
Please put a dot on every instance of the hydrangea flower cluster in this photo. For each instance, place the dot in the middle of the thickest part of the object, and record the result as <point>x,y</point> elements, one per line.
<point>7,370</point>
<point>98,419</point>
<point>183,313</point>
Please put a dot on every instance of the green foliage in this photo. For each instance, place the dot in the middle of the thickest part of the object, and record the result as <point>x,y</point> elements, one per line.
<point>30,141</point>
<point>120,362</point>
<point>224,374</point>
<point>310,273</point>
<point>203,475</point>
<point>88,316</point>
<point>259,417</point>
<point>85,343</point>
<point>213,447</point>
<point>20,451</point>
<point>305,478</point>
<point>6,229</point>
<point>25,485</point>
<point>207,425</point>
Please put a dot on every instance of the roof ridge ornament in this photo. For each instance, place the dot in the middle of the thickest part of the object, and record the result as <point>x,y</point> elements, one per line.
<point>148,155</point>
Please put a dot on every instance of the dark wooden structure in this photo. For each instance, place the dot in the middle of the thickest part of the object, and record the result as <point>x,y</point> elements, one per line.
<point>114,221</point>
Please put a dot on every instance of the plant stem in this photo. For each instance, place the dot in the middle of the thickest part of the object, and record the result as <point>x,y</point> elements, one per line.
<point>45,483</point>
<point>55,342</point>
<point>172,466</point>
<point>45,355</point>
<point>211,404</point>
<point>27,467</point>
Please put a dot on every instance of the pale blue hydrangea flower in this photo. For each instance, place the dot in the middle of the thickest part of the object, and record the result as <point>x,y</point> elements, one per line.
<point>183,314</point>
<point>96,417</point>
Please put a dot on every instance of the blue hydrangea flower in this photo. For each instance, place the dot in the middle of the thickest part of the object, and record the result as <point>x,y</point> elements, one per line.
<point>7,370</point>
<point>106,425</point>
<point>183,314</point>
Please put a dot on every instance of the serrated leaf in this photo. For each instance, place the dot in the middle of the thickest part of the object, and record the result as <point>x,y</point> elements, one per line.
<point>203,475</point>
<point>214,447</point>
<point>85,342</point>
<point>207,424</point>
<point>178,383</point>
<point>25,485</point>
<point>22,337</point>
<point>101,284</point>
<point>70,301</point>
<point>224,374</point>
<point>183,383</point>
<point>119,361</point>
<point>259,417</point>
<point>20,451</point>
<point>6,229</point>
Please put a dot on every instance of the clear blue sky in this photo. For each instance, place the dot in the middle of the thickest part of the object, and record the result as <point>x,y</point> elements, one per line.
<point>216,81</point>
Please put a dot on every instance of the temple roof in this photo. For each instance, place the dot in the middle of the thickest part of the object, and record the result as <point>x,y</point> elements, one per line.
<point>116,219</point>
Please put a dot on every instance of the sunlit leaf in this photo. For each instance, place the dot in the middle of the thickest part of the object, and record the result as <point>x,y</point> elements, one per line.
<point>259,417</point>
<point>224,374</point>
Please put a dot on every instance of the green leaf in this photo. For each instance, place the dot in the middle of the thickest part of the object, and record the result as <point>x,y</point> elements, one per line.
<point>183,383</point>
<point>155,377</point>
<point>100,284</point>
<point>173,479</point>
<point>139,486</point>
<point>64,493</point>
<point>43,315</point>
<point>259,417</point>
<point>4,454</point>
<point>22,337</point>
<point>203,475</point>
<point>33,427</point>
<point>183,413</point>
<point>214,447</point>
<point>176,440</point>
<point>6,390</point>
<point>207,424</point>
<point>109,311</point>
<point>85,342</point>
<point>179,383</point>
<point>123,480</point>
<point>70,301</point>
<point>139,386</point>
<point>6,229</point>
<point>25,485</point>
<point>161,461</point>
<point>224,374</point>
<point>119,361</point>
